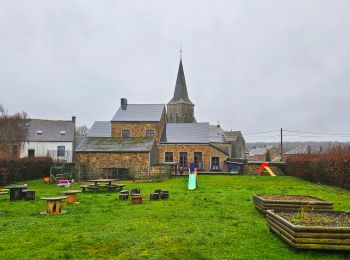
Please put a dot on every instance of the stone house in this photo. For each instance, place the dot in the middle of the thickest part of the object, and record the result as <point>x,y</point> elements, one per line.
<point>128,141</point>
<point>183,143</point>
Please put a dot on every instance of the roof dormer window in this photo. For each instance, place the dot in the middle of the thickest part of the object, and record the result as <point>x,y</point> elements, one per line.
<point>63,132</point>
<point>39,132</point>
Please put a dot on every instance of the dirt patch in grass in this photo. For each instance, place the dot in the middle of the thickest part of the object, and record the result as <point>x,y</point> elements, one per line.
<point>289,198</point>
<point>326,219</point>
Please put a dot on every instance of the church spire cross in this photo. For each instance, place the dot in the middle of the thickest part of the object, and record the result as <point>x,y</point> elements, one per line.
<point>181,51</point>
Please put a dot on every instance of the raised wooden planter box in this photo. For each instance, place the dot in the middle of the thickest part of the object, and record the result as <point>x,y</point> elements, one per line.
<point>265,202</point>
<point>311,236</point>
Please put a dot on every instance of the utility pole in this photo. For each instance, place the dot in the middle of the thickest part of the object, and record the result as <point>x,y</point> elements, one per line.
<point>281,145</point>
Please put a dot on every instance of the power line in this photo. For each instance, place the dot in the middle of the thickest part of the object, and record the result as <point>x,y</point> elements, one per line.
<point>262,132</point>
<point>315,133</point>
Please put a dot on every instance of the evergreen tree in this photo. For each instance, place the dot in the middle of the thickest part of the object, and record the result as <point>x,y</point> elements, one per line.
<point>267,156</point>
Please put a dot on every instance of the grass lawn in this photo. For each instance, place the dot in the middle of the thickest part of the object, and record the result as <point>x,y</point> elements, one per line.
<point>216,221</point>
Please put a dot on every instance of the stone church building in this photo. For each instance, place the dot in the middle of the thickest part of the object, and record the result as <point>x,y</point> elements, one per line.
<point>142,136</point>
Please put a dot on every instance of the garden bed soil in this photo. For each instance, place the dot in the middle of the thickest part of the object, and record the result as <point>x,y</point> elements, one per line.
<point>265,202</point>
<point>328,230</point>
<point>312,218</point>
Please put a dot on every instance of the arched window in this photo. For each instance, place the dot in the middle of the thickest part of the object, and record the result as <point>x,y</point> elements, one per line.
<point>171,118</point>
<point>177,118</point>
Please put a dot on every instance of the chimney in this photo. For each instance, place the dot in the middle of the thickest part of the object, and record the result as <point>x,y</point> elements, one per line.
<point>73,119</point>
<point>123,103</point>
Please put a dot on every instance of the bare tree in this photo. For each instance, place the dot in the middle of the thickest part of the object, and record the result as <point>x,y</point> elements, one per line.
<point>82,130</point>
<point>13,129</point>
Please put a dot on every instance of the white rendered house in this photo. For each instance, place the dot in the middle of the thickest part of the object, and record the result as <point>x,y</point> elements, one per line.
<point>54,138</point>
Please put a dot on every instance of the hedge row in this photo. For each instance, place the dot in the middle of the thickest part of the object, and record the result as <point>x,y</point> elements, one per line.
<point>331,168</point>
<point>24,169</point>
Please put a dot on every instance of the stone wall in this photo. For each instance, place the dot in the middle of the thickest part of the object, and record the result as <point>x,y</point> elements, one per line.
<point>137,163</point>
<point>253,169</point>
<point>238,148</point>
<point>207,150</point>
<point>138,129</point>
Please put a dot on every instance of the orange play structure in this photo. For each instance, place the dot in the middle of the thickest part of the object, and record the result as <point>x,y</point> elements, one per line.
<point>265,167</point>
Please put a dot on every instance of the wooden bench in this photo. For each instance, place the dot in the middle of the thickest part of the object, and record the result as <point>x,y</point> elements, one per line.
<point>89,187</point>
<point>110,187</point>
<point>121,186</point>
<point>93,187</point>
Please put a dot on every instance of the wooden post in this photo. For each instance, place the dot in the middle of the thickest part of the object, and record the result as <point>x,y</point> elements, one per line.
<point>281,145</point>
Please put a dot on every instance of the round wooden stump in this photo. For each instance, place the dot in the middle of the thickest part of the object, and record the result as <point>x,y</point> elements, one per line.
<point>136,199</point>
<point>124,196</point>
<point>164,194</point>
<point>154,196</point>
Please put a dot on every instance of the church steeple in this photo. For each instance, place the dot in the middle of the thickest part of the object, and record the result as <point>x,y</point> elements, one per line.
<point>180,93</point>
<point>180,109</point>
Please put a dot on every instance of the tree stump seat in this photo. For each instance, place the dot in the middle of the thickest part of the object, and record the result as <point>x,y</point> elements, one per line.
<point>124,196</point>
<point>136,199</point>
<point>154,196</point>
<point>29,194</point>
<point>164,194</point>
<point>16,193</point>
<point>135,191</point>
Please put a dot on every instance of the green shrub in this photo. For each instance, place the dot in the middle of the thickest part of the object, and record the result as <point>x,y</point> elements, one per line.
<point>24,169</point>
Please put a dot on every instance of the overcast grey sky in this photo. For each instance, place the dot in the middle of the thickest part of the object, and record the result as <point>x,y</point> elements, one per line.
<point>252,65</point>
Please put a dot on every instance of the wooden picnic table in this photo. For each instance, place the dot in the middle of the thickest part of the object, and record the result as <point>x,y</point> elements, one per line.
<point>71,196</point>
<point>54,205</point>
<point>109,181</point>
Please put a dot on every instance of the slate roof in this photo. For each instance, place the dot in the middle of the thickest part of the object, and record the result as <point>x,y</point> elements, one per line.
<point>139,112</point>
<point>302,149</point>
<point>258,151</point>
<point>113,144</point>
<point>100,129</point>
<point>180,92</point>
<point>232,135</point>
<point>182,133</point>
<point>51,130</point>
<point>216,134</point>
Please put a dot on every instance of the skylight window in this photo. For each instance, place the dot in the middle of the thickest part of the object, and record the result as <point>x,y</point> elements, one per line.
<point>63,133</point>
<point>39,132</point>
